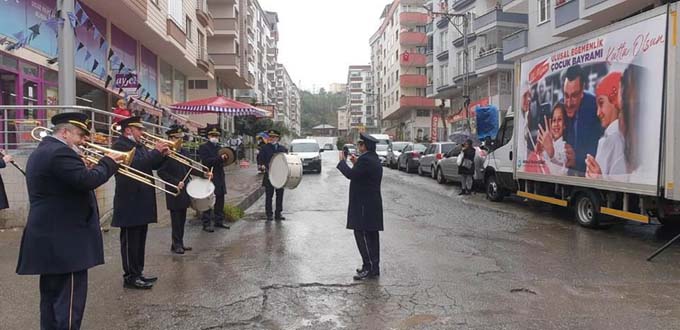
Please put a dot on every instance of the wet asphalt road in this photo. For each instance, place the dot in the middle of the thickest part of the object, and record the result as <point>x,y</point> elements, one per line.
<point>448,262</point>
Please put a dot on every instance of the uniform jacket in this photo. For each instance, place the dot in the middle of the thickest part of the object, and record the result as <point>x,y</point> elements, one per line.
<point>173,171</point>
<point>134,203</point>
<point>268,151</point>
<point>365,202</point>
<point>62,234</point>
<point>3,195</point>
<point>210,158</point>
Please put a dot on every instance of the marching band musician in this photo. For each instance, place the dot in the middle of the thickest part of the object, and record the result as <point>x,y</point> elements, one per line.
<point>175,172</point>
<point>134,203</point>
<point>209,154</point>
<point>62,240</point>
<point>265,157</point>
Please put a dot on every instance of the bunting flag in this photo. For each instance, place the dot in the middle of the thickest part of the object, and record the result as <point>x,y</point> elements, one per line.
<point>84,18</point>
<point>94,66</point>
<point>80,46</point>
<point>120,91</point>
<point>102,73</point>
<point>110,53</point>
<point>108,81</point>
<point>54,24</point>
<point>121,67</point>
<point>72,19</point>
<point>143,91</point>
<point>88,55</point>
<point>146,96</point>
<point>155,103</point>
<point>89,26</point>
<point>35,29</point>
<point>101,42</point>
<point>138,87</point>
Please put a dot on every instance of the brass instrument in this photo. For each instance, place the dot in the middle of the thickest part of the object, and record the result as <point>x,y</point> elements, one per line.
<point>92,153</point>
<point>231,155</point>
<point>150,140</point>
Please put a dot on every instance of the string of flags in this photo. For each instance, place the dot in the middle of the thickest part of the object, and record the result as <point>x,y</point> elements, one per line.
<point>23,38</point>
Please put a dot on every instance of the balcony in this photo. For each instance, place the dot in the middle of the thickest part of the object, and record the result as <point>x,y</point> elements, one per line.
<point>416,102</point>
<point>515,6</point>
<point>497,18</point>
<point>460,4</point>
<point>566,13</point>
<point>205,63</point>
<point>491,60</point>
<point>227,68</point>
<point>413,39</point>
<point>413,81</point>
<point>442,22</point>
<point>413,19</point>
<point>414,59</point>
<point>460,41</point>
<point>430,90</point>
<point>226,26</point>
<point>516,42</point>
<point>203,15</point>
<point>443,55</point>
<point>430,58</point>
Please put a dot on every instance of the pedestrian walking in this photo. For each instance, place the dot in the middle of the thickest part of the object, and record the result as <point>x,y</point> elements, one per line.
<point>62,240</point>
<point>466,167</point>
<point>265,157</point>
<point>365,212</point>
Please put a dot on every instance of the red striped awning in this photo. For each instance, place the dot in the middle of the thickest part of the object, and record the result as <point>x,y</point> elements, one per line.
<point>219,104</point>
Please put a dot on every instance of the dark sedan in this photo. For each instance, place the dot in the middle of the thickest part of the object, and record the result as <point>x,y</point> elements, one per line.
<point>409,160</point>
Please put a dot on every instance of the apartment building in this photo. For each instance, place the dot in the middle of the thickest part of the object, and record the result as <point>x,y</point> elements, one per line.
<point>288,101</point>
<point>398,64</point>
<point>343,121</point>
<point>360,103</point>
<point>480,77</point>
<point>336,88</point>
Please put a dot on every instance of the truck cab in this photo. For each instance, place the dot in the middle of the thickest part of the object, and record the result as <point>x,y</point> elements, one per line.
<point>498,169</point>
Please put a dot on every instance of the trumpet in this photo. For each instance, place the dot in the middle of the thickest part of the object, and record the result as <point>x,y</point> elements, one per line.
<point>92,153</point>
<point>150,140</point>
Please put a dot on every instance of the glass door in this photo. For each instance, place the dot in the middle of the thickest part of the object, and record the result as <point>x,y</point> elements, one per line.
<point>8,96</point>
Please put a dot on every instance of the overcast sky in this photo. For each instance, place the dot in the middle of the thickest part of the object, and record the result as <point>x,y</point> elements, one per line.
<point>319,39</point>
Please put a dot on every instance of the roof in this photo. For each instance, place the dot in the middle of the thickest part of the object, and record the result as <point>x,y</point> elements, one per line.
<point>322,126</point>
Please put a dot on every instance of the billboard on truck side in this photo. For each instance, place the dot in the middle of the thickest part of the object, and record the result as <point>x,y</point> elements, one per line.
<point>593,109</point>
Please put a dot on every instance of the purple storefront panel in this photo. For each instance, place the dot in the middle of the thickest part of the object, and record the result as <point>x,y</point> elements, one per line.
<point>149,74</point>
<point>124,49</point>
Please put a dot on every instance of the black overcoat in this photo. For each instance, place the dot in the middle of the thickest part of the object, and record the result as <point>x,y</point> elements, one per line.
<point>210,158</point>
<point>134,203</point>
<point>62,234</point>
<point>173,172</point>
<point>365,202</point>
<point>3,195</point>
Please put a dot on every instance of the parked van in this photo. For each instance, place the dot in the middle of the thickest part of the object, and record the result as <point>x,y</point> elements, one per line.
<point>309,152</point>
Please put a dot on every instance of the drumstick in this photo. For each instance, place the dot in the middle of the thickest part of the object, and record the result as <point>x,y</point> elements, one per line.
<point>186,176</point>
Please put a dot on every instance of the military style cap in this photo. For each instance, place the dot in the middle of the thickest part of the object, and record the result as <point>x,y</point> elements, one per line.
<point>77,119</point>
<point>274,133</point>
<point>367,139</point>
<point>135,121</point>
<point>213,130</point>
<point>176,131</point>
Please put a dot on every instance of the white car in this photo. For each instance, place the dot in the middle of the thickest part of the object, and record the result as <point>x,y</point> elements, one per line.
<point>309,152</point>
<point>381,150</point>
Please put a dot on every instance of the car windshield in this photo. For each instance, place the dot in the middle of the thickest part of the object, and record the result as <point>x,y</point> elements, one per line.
<point>381,147</point>
<point>399,146</point>
<point>419,147</point>
<point>304,147</point>
<point>447,147</point>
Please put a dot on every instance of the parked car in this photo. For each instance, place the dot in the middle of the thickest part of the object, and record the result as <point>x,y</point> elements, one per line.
<point>381,150</point>
<point>328,146</point>
<point>394,151</point>
<point>432,155</point>
<point>410,157</point>
<point>447,168</point>
<point>349,149</point>
<point>309,152</point>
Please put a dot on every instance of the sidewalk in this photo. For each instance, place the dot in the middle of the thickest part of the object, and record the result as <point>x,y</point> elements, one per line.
<point>109,305</point>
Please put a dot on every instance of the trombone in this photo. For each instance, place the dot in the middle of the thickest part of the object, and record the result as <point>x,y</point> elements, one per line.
<point>92,153</point>
<point>150,140</point>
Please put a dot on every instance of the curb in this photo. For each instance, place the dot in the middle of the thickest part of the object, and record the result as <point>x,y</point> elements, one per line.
<point>251,198</point>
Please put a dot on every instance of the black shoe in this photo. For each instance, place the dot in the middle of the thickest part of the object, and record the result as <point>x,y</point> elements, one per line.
<point>280,218</point>
<point>221,225</point>
<point>137,284</point>
<point>177,250</point>
<point>270,218</point>
<point>461,193</point>
<point>187,248</point>
<point>208,228</point>
<point>149,279</point>
<point>359,270</point>
<point>365,275</point>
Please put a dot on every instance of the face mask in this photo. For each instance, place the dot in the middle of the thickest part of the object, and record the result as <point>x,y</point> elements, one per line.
<point>213,139</point>
<point>132,137</point>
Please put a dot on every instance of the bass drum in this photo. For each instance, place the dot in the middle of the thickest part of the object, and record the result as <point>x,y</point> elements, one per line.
<point>202,193</point>
<point>285,171</point>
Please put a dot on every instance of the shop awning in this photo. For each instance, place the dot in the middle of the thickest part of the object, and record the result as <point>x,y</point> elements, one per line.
<point>219,104</point>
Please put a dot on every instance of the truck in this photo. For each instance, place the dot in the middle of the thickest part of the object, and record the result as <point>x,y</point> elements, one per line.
<point>595,124</point>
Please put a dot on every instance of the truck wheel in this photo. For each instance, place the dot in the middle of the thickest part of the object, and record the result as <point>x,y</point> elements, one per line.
<point>494,193</point>
<point>440,176</point>
<point>586,209</point>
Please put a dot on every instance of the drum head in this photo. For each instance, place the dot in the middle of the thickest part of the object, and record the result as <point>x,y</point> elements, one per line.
<point>200,188</point>
<point>278,171</point>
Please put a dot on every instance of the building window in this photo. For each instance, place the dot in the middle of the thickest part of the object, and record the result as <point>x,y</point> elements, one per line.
<point>543,11</point>
<point>198,84</point>
<point>396,76</point>
<point>422,113</point>
<point>356,96</point>
<point>201,46</point>
<point>443,41</point>
<point>176,13</point>
<point>188,31</point>
<point>179,92</point>
<point>444,75</point>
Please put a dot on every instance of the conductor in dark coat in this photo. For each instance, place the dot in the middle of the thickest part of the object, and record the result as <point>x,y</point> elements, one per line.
<point>134,203</point>
<point>4,204</point>
<point>176,173</point>
<point>365,213</point>
<point>266,154</point>
<point>62,238</point>
<point>209,154</point>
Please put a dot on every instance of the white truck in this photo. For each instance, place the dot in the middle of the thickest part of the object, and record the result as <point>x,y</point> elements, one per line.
<point>596,124</point>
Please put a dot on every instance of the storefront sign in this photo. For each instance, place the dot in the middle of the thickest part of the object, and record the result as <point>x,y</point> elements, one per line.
<point>434,127</point>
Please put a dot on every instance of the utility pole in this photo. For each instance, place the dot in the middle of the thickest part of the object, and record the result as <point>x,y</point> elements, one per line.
<point>67,69</point>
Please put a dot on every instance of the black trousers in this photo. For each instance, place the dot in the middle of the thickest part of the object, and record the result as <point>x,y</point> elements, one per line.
<point>216,214</point>
<point>132,250</point>
<point>269,194</point>
<point>368,243</point>
<point>62,300</point>
<point>178,219</point>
